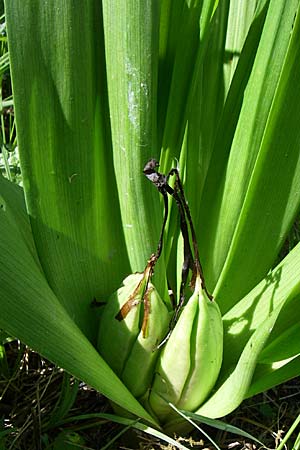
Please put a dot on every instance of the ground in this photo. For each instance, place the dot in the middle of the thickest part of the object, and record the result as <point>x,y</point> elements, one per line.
<point>38,401</point>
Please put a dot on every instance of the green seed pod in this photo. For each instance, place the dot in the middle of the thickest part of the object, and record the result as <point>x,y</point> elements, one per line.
<point>132,324</point>
<point>189,364</point>
<point>115,338</point>
<point>138,370</point>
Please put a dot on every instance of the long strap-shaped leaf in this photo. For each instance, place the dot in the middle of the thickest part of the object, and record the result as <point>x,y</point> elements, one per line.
<point>247,327</point>
<point>272,199</point>
<point>248,315</point>
<point>131,50</point>
<point>267,376</point>
<point>233,391</point>
<point>240,16</point>
<point>180,102</point>
<point>205,109</point>
<point>280,359</point>
<point>229,30</point>
<point>31,311</point>
<point>57,64</point>
<point>186,44</point>
<point>262,160</point>
<point>223,131</point>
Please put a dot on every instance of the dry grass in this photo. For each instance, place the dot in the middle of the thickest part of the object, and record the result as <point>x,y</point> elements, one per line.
<point>31,392</point>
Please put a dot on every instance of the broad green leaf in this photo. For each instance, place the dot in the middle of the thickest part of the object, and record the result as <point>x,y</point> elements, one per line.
<point>233,390</point>
<point>57,66</point>
<point>267,376</point>
<point>187,110</point>
<point>279,361</point>
<point>240,16</point>
<point>205,109</point>
<point>283,342</point>
<point>192,27</point>
<point>247,327</point>
<point>31,311</point>
<point>284,346</point>
<point>131,51</point>
<point>278,289</point>
<point>256,167</point>
<point>276,170</point>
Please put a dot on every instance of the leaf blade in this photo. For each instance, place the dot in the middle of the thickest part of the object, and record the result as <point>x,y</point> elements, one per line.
<point>228,193</point>
<point>274,171</point>
<point>132,106</point>
<point>31,311</point>
<point>68,173</point>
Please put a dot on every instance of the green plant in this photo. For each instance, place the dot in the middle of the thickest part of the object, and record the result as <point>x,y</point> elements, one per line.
<point>97,94</point>
<point>289,433</point>
<point>9,161</point>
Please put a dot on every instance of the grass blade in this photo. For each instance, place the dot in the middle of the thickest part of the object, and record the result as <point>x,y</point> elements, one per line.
<point>289,434</point>
<point>133,423</point>
<point>65,401</point>
<point>219,425</point>
<point>189,419</point>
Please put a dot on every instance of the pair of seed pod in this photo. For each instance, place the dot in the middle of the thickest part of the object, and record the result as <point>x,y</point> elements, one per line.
<point>133,322</point>
<point>184,370</point>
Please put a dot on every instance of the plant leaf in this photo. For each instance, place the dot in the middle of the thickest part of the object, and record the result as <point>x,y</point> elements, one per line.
<point>283,342</point>
<point>185,79</point>
<point>284,346</point>
<point>192,24</point>
<point>278,289</point>
<point>232,392</point>
<point>124,421</point>
<point>218,424</point>
<point>65,402</point>
<point>247,327</point>
<point>240,16</point>
<point>267,376</point>
<point>131,50</point>
<point>205,109</point>
<point>236,235</point>
<point>31,311</point>
<point>65,150</point>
